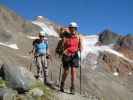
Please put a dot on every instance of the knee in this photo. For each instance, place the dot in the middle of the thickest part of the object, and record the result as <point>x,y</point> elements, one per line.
<point>66,71</point>
<point>74,69</point>
<point>73,72</point>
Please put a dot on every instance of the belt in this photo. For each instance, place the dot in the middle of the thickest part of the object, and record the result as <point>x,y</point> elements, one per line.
<point>71,54</point>
<point>38,55</point>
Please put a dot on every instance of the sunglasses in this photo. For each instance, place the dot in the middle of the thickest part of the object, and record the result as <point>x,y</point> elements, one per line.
<point>41,36</point>
<point>73,28</point>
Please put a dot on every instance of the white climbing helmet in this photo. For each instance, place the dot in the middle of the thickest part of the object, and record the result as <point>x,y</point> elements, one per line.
<point>42,33</point>
<point>73,24</point>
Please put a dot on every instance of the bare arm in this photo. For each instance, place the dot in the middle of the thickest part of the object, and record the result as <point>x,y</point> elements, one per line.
<point>33,48</point>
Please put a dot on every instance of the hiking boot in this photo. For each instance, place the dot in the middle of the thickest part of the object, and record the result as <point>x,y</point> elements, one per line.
<point>36,76</point>
<point>72,90</point>
<point>48,83</point>
<point>62,87</point>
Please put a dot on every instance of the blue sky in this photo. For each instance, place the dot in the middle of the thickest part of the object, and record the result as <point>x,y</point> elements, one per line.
<point>92,15</point>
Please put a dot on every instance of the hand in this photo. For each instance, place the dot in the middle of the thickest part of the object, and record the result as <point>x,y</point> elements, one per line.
<point>48,56</point>
<point>80,49</point>
<point>30,52</point>
<point>65,52</point>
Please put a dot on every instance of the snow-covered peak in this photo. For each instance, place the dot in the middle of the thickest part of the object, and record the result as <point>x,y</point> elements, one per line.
<point>49,30</point>
<point>40,18</point>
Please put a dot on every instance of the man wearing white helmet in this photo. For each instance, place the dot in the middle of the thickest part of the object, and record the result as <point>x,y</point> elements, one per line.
<point>73,25</point>
<point>40,50</point>
<point>70,59</point>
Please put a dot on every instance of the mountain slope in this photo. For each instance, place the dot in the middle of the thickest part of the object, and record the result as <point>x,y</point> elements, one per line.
<point>13,30</point>
<point>10,21</point>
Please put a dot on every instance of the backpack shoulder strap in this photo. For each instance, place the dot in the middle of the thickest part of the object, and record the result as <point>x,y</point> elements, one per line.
<point>35,41</point>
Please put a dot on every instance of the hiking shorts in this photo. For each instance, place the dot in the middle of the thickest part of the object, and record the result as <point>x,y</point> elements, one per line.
<point>70,61</point>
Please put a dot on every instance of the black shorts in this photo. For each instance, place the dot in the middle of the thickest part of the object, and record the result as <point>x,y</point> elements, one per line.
<point>70,61</point>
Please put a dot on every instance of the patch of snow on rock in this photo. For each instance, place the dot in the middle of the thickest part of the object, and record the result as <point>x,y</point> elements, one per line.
<point>12,46</point>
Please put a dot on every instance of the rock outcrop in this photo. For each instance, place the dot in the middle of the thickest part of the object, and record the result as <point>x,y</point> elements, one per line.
<point>108,37</point>
<point>125,46</point>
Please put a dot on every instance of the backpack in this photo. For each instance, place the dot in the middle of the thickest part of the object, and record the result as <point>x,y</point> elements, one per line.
<point>61,46</point>
<point>72,44</point>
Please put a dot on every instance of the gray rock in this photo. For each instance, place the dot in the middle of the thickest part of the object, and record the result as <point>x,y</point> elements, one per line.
<point>18,77</point>
<point>7,94</point>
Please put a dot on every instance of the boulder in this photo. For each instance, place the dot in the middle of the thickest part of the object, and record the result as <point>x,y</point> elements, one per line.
<point>18,77</point>
<point>7,94</point>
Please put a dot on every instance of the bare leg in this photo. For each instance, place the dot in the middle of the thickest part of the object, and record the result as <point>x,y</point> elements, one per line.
<point>73,76</point>
<point>64,76</point>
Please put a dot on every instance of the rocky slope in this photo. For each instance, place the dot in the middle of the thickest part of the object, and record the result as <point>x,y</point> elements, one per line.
<point>14,48</point>
<point>12,24</point>
<point>125,45</point>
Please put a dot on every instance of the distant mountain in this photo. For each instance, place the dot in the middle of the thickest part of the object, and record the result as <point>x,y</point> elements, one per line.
<point>108,37</point>
<point>47,26</point>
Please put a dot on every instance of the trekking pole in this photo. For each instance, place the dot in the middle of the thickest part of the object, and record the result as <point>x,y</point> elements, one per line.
<point>60,74</point>
<point>29,67</point>
<point>80,75</point>
<point>31,64</point>
<point>80,68</point>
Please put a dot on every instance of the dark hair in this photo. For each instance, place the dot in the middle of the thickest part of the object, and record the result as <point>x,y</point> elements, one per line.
<point>41,35</point>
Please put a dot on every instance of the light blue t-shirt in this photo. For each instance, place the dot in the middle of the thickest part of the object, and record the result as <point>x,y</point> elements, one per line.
<point>41,47</point>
